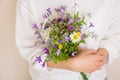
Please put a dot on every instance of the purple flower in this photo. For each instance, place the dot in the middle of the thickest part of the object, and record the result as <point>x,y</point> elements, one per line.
<point>59,20</point>
<point>74,53</point>
<point>63,7</point>
<point>38,59</point>
<point>58,10</point>
<point>36,32</point>
<point>67,38</point>
<point>41,24</point>
<point>55,46</point>
<point>58,52</point>
<point>70,21</point>
<point>60,41</point>
<point>43,42</point>
<point>38,36</point>
<point>78,19</point>
<point>48,41</point>
<point>46,50</point>
<point>81,27</point>
<point>35,26</point>
<point>46,27</point>
<point>70,28</point>
<point>43,65</point>
<point>48,14</point>
<point>49,10</point>
<point>83,36</point>
<point>91,24</point>
<point>45,15</point>
<point>53,21</point>
<point>63,15</point>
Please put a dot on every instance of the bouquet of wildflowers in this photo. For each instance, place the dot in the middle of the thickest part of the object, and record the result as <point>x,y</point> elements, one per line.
<point>61,33</point>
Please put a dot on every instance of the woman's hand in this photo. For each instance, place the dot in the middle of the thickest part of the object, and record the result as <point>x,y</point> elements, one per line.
<point>87,61</point>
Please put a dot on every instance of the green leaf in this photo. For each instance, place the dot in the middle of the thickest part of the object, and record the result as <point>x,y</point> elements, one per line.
<point>84,76</point>
<point>82,41</point>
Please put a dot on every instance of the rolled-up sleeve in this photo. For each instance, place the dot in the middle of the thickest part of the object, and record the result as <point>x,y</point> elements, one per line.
<point>25,38</point>
<point>111,41</point>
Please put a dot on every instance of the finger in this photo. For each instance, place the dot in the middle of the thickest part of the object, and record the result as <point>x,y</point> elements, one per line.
<point>100,58</point>
<point>100,54</point>
<point>100,64</point>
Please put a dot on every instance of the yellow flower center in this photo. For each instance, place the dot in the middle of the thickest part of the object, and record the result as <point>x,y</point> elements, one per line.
<point>75,37</point>
<point>60,46</point>
<point>78,33</point>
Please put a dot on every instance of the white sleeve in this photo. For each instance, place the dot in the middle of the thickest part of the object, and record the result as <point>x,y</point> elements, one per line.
<point>25,38</point>
<point>112,40</point>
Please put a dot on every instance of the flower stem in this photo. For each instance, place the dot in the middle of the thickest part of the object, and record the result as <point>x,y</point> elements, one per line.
<point>74,6</point>
<point>84,76</point>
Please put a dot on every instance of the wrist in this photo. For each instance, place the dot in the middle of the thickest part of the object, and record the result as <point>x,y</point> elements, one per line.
<point>62,65</point>
<point>71,63</point>
<point>76,64</point>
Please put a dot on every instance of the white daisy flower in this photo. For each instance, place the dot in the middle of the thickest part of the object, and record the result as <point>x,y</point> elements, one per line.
<point>75,37</point>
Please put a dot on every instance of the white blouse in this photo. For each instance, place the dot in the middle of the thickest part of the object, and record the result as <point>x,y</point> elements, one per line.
<point>105,14</point>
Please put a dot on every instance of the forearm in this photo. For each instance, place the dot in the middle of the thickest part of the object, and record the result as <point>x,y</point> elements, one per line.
<point>62,65</point>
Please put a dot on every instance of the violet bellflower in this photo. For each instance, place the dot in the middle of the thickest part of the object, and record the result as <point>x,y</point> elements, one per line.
<point>67,38</point>
<point>46,50</point>
<point>47,26</point>
<point>74,53</point>
<point>43,65</point>
<point>60,20</point>
<point>60,41</point>
<point>70,28</point>
<point>70,21</point>
<point>49,11</point>
<point>55,46</point>
<point>53,21</point>
<point>58,52</point>
<point>83,36</point>
<point>63,15</point>
<point>64,7</point>
<point>35,26</point>
<point>91,24</point>
<point>59,10</point>
<point>38,59</point>
<point>41,24</point>
<point>38,36</point>
<point>48,41</point>
<point>78,19</point>
<point>45,15</point>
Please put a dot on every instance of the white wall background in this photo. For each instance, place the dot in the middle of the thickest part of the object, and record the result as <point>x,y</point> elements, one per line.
<point>12,66</point>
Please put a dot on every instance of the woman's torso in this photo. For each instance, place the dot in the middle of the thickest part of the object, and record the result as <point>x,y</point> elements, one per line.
<point>100,15</point>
